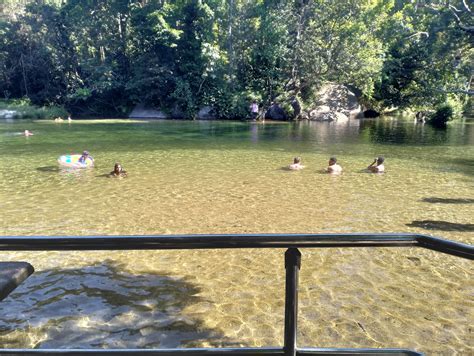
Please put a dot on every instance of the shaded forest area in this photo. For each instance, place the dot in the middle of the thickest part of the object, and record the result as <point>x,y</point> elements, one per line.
<point>102,57</point>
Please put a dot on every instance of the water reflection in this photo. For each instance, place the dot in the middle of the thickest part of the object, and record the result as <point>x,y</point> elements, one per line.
<point>398,131</point>
<point>379,131</point>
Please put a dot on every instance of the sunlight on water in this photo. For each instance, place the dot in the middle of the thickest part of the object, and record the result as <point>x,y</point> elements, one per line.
<point>217,177</point>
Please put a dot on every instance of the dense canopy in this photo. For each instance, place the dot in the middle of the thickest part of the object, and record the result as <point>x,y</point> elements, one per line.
<point>105,56</point>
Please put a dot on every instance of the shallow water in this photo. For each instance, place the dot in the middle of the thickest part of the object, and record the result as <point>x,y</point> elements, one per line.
<point>227,177</point>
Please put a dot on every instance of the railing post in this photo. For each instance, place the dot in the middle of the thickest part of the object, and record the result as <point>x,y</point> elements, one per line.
<point>292,266</point>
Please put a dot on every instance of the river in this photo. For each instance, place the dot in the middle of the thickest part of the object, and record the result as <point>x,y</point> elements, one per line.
<point>229,177</point>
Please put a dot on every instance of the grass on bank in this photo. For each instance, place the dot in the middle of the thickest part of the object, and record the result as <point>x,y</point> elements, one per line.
<point>23,109</point>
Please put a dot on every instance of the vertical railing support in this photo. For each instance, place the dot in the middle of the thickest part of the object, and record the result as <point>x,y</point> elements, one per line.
<point>292,266</point>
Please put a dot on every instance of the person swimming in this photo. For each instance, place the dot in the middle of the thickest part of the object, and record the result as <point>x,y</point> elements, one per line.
<point>333,167</point>
<point>296,164</point>
<point>377,165</point>
<point>118,171</point>
<point>84,157</point>
<point>28,133</point>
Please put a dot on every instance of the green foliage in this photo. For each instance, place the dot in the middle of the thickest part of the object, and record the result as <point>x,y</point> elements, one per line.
<point>106,56</point>
<point>441,116</point>
<point>184,98</point>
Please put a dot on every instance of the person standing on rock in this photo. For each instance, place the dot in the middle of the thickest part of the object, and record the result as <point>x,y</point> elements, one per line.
<point>295,104</point>
<point>254,110</point>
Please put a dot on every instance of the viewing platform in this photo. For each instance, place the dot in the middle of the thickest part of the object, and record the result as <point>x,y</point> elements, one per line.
<point>15,272</point>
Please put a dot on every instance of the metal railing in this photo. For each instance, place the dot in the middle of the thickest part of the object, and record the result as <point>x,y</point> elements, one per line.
<point>292,265</point>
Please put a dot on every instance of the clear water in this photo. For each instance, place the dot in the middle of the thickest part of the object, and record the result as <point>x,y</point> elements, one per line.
<point>228,177</point>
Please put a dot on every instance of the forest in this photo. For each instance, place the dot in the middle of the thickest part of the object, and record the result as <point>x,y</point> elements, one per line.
<point>102,57</point>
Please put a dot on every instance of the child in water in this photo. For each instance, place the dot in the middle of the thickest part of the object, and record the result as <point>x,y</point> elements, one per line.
<point>85,156</point>
<point>118,171</point>
<point>296,164</point>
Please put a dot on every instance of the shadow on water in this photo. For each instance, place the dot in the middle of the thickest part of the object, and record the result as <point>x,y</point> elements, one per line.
<point>101,306</point>
<point>448,200</point>
<point>466,165</point>
<point>441,225</point>
<point>460,165</point>
<point>48,169</point>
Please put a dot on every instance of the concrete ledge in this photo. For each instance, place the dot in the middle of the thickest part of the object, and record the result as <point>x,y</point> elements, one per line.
<point>12,274</point>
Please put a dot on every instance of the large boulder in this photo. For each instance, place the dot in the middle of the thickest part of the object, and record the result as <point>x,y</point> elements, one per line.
<point>337,98</point>
<point>275,112</point>
<point>206,113</point>
<point>142,112</point>
<point>8,114</point>
<point>327,115</point>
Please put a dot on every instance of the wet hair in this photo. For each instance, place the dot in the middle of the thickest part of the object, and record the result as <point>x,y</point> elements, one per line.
<point>380,159</point>
<point>333,158</point>
<point>117,166</point>
<point>296,160</point>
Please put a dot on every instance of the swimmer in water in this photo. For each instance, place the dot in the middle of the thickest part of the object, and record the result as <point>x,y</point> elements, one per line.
<point>27,133</point>
<point>84,157</point>
<point>333,167</point>
<point>118,171</point>
<point>296,164</point>
<point>377,165</point>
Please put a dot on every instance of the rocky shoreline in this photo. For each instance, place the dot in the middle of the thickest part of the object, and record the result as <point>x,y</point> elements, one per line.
<point>335,102</point>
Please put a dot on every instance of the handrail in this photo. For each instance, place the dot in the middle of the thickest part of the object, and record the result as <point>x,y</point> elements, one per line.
<point>235,241</point>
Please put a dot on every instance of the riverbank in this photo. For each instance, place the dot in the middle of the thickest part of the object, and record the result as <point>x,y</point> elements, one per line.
<point>23,109</point>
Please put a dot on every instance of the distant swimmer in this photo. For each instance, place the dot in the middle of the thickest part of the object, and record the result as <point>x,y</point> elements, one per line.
<point>85,156</point>
<point>377,165</point>
<point>333,167</point>
<point>27,133</point>
<point>118,171</point>
<point>296,164</point>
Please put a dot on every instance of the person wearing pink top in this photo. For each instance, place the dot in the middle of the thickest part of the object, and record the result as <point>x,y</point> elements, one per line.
<point>254,110</point>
